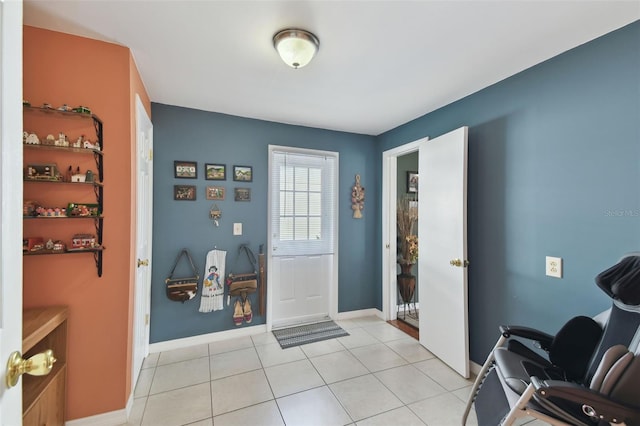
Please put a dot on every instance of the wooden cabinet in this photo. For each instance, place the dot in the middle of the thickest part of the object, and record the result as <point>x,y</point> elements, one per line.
<point>62,201</point>
<point>44,397</point>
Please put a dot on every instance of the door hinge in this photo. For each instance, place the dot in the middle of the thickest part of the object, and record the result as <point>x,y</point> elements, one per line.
<point>146,319</point>
<point>150,154</point>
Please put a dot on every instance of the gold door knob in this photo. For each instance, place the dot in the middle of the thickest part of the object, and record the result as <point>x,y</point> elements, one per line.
<point>459,263</point>
<point>143,262</point>
<point>38,365</point>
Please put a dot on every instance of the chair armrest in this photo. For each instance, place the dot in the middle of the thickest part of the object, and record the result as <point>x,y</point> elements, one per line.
<point>593,403</point>
<point>545,339</point>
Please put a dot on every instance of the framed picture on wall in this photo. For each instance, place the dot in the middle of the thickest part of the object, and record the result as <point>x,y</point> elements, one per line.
<point>215,172</point>
<point>184,192</point>
<point>215,192</point>
<point>185,169</point>
<point>243,173</point>
<point>412,183</point>
<point>242,194</point>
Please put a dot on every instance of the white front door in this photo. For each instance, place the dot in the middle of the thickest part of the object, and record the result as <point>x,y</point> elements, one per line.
<point>303,225</point>
<point>10,200</point>
<point>442,235</point>
<point>144,224</point>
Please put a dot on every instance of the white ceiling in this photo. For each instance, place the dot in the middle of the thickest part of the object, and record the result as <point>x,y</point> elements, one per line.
<point>380,63</point>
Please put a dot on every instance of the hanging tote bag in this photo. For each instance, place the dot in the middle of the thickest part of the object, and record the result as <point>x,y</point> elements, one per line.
<point>241,284</point>
<point>182,289</point>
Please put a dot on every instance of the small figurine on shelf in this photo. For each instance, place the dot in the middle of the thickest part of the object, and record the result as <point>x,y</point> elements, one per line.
<point>82,109</point>
<point>59,246</point>
<point>32,139</point>
<point>62,140</point>
<point>65,108</point>
<point>88,145</point>
<point>46,106</point>
<point>88,176</point>
<point>50,140</point>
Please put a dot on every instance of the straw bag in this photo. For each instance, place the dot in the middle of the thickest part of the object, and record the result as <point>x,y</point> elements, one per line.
<point>241,284</point>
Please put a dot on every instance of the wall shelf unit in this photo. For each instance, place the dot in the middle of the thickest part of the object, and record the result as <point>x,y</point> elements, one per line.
<point>34,116</point>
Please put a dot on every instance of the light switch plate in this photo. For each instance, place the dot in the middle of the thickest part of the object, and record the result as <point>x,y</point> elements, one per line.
<point>554,266</point>
<point>237,229</point>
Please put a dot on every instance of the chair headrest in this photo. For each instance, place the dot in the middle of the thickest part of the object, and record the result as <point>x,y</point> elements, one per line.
<point>622,280</point>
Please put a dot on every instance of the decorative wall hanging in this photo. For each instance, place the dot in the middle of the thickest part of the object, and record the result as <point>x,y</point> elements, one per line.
<point>215,172</point>
<point>185,169</point>
<point>215,192</point>
<point>212,298</point>
<point>215,214</point>
<point>357,199</point>
<point>184,192</point>
<point>243,173</point>
<point>242,194</point>
<point>412,183</point>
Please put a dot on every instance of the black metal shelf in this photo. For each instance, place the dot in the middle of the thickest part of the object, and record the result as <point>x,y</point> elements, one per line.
<point>98,186</point>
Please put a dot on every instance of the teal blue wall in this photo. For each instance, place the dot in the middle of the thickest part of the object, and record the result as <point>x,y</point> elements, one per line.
<point>205,137</point>
<point>554,169</point>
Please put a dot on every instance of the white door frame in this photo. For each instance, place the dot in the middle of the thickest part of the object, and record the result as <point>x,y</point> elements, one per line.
<point>11,128</point>
<point>333,285</point>
<point>144,228</point>
<point>389,228</point>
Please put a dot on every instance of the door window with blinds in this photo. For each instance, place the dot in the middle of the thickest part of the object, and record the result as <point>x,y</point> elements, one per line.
<point>303,202</point>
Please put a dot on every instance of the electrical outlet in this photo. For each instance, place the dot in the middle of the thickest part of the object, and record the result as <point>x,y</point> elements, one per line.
<point>554,266</point>
<point>237,229</point>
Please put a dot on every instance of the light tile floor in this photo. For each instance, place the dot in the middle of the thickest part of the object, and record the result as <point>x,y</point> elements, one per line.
<point>376,376</point>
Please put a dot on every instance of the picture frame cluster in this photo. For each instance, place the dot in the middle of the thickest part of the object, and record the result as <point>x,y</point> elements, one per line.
<point>215,172</point>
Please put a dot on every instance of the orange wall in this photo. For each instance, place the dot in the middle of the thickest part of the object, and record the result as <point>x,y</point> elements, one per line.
<point>61,68</point>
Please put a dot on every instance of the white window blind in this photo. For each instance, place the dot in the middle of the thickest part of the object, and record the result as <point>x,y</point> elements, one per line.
<point>304,203</point>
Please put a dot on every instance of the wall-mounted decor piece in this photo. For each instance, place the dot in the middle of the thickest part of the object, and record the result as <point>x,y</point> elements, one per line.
<point>215,214</point>
<point>185,169</point>
<point>184,192</point>
<point>357,199</point>
<point>215,192</point>
<point>412,183</point>
<point>215,172</point>
<point>242,194</point>
<point>243,173</point>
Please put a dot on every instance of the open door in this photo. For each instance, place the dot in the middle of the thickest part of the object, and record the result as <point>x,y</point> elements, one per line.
<point>144,226</point>
<point>10,200</point>
<point>442,239</point>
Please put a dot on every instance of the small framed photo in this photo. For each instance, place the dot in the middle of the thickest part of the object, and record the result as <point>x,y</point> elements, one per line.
<point>243,173</point>
<point>242,194</point>
<point>215,172</point>
<point>184,192</point>
<point>215,192</point>
<point>185,169</point>
<point>412,182</point>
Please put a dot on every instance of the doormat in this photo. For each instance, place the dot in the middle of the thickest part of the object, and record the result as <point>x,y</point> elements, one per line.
<point>308,333</point>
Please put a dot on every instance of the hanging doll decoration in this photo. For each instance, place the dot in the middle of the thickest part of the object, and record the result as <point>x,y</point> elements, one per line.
<point>357,199</point>
<point>212,298</point>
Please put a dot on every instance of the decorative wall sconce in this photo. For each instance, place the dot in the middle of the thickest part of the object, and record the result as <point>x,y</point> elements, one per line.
<point>215,214</point>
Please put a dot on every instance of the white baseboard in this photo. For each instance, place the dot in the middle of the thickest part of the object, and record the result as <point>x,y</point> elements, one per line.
<point>206,338</point>
<point>360,313</point>
<point>475,368</point>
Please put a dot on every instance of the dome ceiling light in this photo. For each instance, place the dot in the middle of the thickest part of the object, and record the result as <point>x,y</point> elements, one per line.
<point>296,47</point>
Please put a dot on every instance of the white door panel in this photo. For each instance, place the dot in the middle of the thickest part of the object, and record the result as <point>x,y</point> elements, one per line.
<point>10,200</point>
<point>302,248</point>
<point>144,226</point>
<point>442,204</point>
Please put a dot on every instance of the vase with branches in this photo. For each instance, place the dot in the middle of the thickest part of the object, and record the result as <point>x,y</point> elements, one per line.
<point>407,217</point>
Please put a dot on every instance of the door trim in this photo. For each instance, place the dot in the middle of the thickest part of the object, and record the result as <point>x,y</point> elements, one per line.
<point>389,230</point>
<point>333,285</point>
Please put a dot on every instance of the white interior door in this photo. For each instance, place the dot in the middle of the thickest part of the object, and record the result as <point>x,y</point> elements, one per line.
<point>144,226</point>
<point>10,200</point>
<point>442,235</point>
<point>302,250</point>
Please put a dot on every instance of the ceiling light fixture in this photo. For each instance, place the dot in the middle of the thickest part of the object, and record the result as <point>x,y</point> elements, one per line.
<point>296,47</point>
